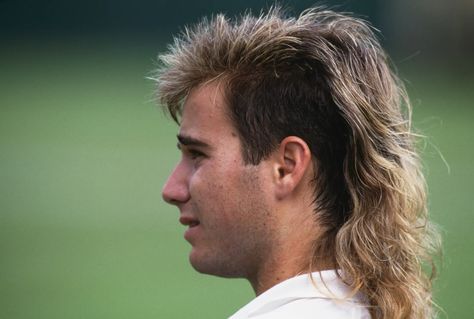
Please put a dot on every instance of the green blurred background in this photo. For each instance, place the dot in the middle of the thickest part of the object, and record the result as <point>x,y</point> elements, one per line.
<point>84,152</point>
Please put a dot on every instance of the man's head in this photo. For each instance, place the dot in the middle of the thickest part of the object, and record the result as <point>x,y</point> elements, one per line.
<point>237,212</point>
<point>311,98</point>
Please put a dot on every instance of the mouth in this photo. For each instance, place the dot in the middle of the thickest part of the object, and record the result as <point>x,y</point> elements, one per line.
<point>193,229</point>
<point>189,221</point>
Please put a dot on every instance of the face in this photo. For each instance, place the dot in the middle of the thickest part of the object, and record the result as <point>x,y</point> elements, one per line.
<point>224,202</point>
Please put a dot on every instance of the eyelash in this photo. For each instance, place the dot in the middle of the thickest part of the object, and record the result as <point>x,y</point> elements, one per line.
<point>194,154</point>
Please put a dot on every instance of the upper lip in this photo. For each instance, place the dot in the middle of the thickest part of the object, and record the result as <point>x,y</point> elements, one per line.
<point>188,220</point>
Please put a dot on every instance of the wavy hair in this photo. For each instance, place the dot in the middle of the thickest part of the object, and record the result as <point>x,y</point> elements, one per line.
<point>324,77</point>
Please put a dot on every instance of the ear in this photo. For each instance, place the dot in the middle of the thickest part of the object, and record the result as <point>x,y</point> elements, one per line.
<point>292,161</point>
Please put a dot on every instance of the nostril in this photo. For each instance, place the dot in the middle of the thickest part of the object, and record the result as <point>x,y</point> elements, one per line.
<point>170,201</point>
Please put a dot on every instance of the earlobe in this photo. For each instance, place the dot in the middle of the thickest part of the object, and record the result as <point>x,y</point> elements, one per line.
<point>292,160</point>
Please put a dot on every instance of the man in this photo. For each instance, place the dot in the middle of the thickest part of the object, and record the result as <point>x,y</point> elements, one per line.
<point>298,168</point>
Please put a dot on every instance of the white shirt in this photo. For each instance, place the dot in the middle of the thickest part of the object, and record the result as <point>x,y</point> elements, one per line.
<point>327,297</point>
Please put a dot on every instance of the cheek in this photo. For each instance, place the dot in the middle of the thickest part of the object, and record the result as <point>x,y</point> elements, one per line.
<point>213,180</point>
<point>231,197</point>
<point>208,193</point>
<point>216,195</point>
<point>203,185</point>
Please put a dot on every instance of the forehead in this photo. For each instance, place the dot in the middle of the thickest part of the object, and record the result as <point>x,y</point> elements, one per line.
<point>205,113</point>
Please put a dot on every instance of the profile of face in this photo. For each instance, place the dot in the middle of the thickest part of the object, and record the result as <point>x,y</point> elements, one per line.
<point>225,203</point>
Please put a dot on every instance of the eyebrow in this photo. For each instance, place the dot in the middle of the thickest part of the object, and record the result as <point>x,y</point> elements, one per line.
<point>190,141</point>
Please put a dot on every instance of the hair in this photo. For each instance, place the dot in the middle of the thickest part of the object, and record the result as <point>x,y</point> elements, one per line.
<point>323,76</point>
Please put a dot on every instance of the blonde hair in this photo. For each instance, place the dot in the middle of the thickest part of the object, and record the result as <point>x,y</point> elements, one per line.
<point>323,76</point>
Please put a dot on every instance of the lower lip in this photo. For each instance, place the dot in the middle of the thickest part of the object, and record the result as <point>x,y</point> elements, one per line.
<point>191,232</point>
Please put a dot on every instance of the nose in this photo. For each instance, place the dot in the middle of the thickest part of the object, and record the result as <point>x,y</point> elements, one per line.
<point>176,191</point>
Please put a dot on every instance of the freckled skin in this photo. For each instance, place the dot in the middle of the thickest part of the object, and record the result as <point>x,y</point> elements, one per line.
<point>231,200</point>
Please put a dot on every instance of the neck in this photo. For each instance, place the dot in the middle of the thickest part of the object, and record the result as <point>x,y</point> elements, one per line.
<point>290,255</point>
<point>275,272</point>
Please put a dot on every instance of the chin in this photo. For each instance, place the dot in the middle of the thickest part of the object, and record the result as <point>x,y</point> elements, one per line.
<point>214,266</point>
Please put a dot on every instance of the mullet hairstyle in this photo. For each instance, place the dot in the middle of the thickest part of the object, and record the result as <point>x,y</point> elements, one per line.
<point>324,77</point>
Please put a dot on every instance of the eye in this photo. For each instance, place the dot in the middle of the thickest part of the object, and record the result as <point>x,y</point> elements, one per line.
<point>195,154</point>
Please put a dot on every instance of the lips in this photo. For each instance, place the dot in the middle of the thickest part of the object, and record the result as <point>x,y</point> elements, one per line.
<point>189,221</point>
<point>193,230</point>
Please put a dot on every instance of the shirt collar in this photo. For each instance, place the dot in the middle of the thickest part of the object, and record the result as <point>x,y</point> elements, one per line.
<point>324,284</point>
